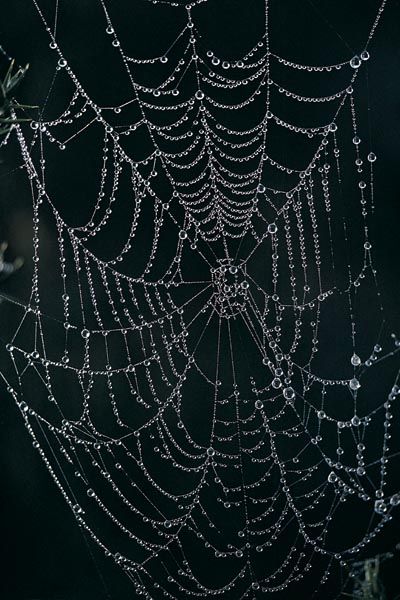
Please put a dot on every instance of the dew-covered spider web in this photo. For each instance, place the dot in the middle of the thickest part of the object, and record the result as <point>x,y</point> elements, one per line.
<point>216,409</point>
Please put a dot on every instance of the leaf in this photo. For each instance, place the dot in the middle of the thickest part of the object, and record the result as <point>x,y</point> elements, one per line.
<point>16,79</point>
<point>8,74</point>
<point>7,105</point>
<point>10,120</point>
<point>17,105</point>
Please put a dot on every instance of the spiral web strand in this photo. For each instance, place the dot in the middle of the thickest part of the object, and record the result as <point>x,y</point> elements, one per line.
<point>209,312</point>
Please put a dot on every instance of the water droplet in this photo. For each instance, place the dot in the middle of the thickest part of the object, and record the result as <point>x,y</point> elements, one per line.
<point>276,383</point>
<point>354,384</point>
<point>355,360</point>
<point>355,62</point>
<point>288,393</point>
<point>380,507</point>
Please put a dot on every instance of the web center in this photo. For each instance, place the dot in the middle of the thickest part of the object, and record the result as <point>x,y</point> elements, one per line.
<point>230,287</point>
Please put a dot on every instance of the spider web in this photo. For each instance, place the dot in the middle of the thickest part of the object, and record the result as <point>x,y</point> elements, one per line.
<point>198,422</point>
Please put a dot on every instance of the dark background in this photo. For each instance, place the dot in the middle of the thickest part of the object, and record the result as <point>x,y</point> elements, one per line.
<point>45,555</point>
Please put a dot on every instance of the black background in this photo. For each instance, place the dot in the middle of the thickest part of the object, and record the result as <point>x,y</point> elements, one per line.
<point>44,553</point>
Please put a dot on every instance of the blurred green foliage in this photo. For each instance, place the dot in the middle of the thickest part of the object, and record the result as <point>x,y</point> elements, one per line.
<point>8,105</point>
